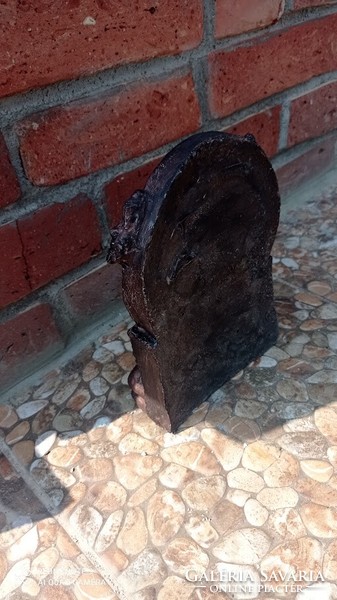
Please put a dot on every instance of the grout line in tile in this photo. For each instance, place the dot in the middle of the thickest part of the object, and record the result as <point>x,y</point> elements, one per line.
<point>62,521</point>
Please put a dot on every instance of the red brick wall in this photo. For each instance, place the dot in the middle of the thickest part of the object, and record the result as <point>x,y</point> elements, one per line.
<point>93,93</point>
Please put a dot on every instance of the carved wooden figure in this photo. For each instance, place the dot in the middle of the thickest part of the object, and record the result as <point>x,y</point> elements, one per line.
<point>195,250</point>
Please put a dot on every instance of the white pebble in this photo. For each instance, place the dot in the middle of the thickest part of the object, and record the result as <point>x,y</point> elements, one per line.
<point>30,408</point>
<point>266,362</point>
<point>290,262</point>
<point>115,347</point>
<point>44,443</point>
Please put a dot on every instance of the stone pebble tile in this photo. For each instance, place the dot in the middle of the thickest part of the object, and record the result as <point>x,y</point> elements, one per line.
<point>249,480</point>
<point>37,558</point>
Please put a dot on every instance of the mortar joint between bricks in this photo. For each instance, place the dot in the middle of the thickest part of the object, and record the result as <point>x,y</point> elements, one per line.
<point>89,184</point>
<point>209,20</point>
<point>103,221</point>
<point>200,78</point>
<point>12,143</point>
<point>19,106</point>
<point>276,99</point>
<point>284,125</point>
<point>48,292</point>
<point>11,310</point>
<point>34,198</point>
<point>287,155</point>
<point>62,317</point>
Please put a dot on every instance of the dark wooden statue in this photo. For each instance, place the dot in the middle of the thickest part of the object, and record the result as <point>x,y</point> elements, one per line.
<point>195,250</point>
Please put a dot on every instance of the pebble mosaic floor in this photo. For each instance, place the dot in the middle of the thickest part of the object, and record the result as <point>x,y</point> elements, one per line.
<point>98,502</point>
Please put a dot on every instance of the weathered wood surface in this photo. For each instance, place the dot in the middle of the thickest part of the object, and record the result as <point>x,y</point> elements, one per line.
<point>195,250</point>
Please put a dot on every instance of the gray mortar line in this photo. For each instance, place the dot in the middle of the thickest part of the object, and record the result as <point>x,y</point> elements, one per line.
<point>284,125</point>
<point>278,98</point>
<point>290,154</point>
<point>209,21</point>
<point>26,269</point>
<point>200,77</point>
<point>43,196</point>
<point>60,282</point>
<point>64,192</point>
<point>12,144</point>
<point>76,536</point>
<point>80,339</point>
<point>308,191</point>
<point>200,66</point>
<point>88,334</point>
<point>93,87</point>
<point>52,288</point>
<point>280,160</point>
<point>17,107</point>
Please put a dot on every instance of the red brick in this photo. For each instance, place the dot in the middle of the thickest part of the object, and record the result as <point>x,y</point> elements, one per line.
<point>122,187</point>
<point>14,282</point>
<point>9,185</point>
<point>44,41</point>
<point>242,76</point>
<point>234,17</point>
<point>264,126</point>
<point>313,114</point>
<point>312,163</point>
<point>58,238</point>
<point>298,4</point>
<point>65,143</point>
<point>26,339</point>
<point>92,294</point>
